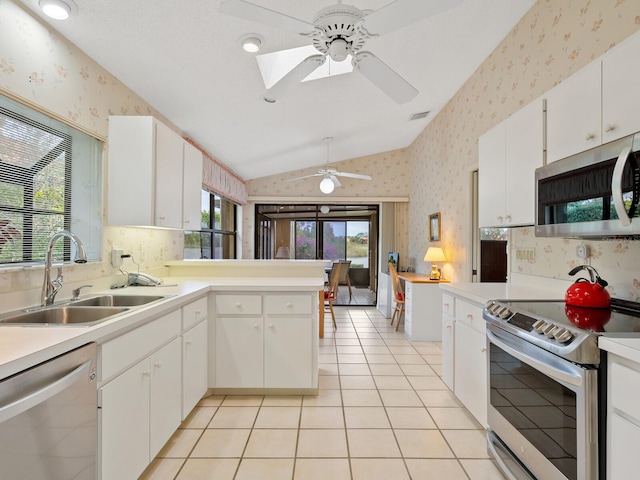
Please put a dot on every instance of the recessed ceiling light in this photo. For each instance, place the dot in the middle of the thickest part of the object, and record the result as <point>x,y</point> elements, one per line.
<point>58,9</point>
<point>251,42</point>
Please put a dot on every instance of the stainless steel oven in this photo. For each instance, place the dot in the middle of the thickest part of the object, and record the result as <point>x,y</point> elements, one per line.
<point>547,386</point>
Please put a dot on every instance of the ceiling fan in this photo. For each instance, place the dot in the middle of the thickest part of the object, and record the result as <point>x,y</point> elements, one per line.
<point>341,30</point>
<point>330,175</point>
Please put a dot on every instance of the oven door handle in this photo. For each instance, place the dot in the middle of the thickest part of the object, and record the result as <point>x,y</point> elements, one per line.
<point>31,399</point>
<point>567,375</point>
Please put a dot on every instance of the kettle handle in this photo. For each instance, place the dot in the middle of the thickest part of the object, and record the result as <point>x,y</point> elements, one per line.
<point>593,274</point>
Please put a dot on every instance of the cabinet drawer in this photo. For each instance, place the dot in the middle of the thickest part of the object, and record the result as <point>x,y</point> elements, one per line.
<point>625,389</point>
<point>287,304</point>
<point>448,304</point>
<point>193,313</point>
<point>470,314</point>
<point>129,348</point>
<point>240,304</point>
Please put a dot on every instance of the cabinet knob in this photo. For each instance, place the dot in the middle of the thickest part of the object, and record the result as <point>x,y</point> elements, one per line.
<point>483,349</point>
<point>508,218</point>
<point>161,218</point>
<point>609,127</point>
<point>197,313</point>
<point>238,305</point>
<point>188,343</point>
<point>255,325</point>
<point>469,316</point>
<point>158,364</point>
<point>500,219</point>
<point>446,305</point>
<point>288,304</point>
<point>146,373</point>
<point>271,326</point>
<point>589,136</point>
<point>449,327</point>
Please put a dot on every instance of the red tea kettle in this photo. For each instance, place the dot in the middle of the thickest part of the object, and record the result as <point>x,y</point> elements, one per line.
<point>585,293</point>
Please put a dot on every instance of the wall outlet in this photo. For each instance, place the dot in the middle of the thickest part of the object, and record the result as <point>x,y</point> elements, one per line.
<point>582,251</point>
<point>116,257</point>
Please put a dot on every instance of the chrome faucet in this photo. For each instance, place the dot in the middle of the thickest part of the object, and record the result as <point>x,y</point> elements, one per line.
<point>50,287</point>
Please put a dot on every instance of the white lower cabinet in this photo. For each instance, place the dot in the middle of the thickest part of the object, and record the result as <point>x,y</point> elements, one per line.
<point>140,410</point>
<point>623,418</point>
<point>470,359</point>
<point>194,366</point>
<point>266,341</point>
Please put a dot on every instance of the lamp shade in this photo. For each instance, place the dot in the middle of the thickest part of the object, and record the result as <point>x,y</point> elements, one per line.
<point>283,252</point>
<point>434,254</point>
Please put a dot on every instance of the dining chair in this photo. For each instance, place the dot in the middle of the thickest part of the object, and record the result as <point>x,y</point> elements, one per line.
<point>331,290</point>
<point>345,279</point>
<point>398,295</point>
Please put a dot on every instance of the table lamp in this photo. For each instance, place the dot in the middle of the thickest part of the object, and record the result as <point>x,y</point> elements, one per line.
<point>283,252</point>
<point>434,254</point>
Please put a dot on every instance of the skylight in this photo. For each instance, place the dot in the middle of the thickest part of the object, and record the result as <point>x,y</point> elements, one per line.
<point>274,66</point>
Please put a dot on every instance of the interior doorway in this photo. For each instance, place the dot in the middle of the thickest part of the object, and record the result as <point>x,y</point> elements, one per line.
<point>328,232</point>
<point>489,246</point>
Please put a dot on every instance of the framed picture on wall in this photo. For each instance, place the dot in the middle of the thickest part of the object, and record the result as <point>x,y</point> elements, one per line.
<point>434,227</point>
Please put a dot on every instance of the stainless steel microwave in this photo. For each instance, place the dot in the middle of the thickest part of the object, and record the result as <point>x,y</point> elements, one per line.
<point>593,194</point>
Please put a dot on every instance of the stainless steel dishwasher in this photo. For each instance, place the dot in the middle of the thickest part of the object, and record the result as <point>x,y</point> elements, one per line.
<point>48,419</point>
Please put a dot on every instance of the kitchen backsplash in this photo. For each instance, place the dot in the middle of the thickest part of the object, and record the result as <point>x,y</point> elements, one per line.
<point>616,260</point>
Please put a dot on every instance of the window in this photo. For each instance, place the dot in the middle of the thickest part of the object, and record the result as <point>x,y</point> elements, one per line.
<point>217,235</point>
<point>50,180</point>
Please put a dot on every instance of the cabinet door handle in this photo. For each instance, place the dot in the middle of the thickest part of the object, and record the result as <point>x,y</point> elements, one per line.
<point>609,127</point>
<point>160,218</point>
<point>197,313</point>
<point>589,136</point>
<point>158,364</point>
<point>188,343</point>
<point>449,327</point>
<point>508,218</point>
<point>500,219</point>
<point>483,349</point>
<point>469,316</point>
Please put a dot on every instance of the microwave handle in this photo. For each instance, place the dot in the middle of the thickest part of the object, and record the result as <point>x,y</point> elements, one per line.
<point>616,186</point>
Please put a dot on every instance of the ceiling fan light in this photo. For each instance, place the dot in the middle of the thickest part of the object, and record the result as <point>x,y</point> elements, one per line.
<point>338,50</point>
<point>326,186</point>
<point>57,9</point>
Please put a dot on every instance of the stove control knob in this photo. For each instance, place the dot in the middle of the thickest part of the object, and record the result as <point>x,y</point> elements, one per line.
<point>505,313</point>
<point>539,326</point>
<point>549,330</point>
<point>565,336</point>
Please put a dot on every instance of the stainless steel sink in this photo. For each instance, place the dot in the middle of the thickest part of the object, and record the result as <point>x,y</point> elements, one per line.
<point>116,300</point>
<point>63,315</point>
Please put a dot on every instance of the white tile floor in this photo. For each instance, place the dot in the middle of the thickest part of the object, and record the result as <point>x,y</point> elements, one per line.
<point>382,413</point>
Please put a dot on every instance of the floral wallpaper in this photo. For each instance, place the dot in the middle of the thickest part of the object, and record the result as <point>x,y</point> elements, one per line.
<point>553,40</point>
<point>41,68</point>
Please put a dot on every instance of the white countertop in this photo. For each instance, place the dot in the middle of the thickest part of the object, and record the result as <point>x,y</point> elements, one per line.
<point>483,292</point>
<point>22,347</point>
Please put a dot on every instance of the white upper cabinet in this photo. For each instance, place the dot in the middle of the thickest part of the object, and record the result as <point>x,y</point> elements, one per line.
<point>597,104</point>
<point>621,90</point>
<point>574,122</point>
<point>146,181</point>
<point>509,153</point>
<point>192,187</point>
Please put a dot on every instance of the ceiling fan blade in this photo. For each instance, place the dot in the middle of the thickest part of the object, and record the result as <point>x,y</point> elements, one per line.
<point>401,13</point>
<point>354,175</point>
<point>295,76</point>
<point>304,176</point>
<point>383,77</point>
<point>335,181</point>
<point>255,13</point>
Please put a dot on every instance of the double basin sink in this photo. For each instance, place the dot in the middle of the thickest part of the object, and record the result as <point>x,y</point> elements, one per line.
<point>83,312</point>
